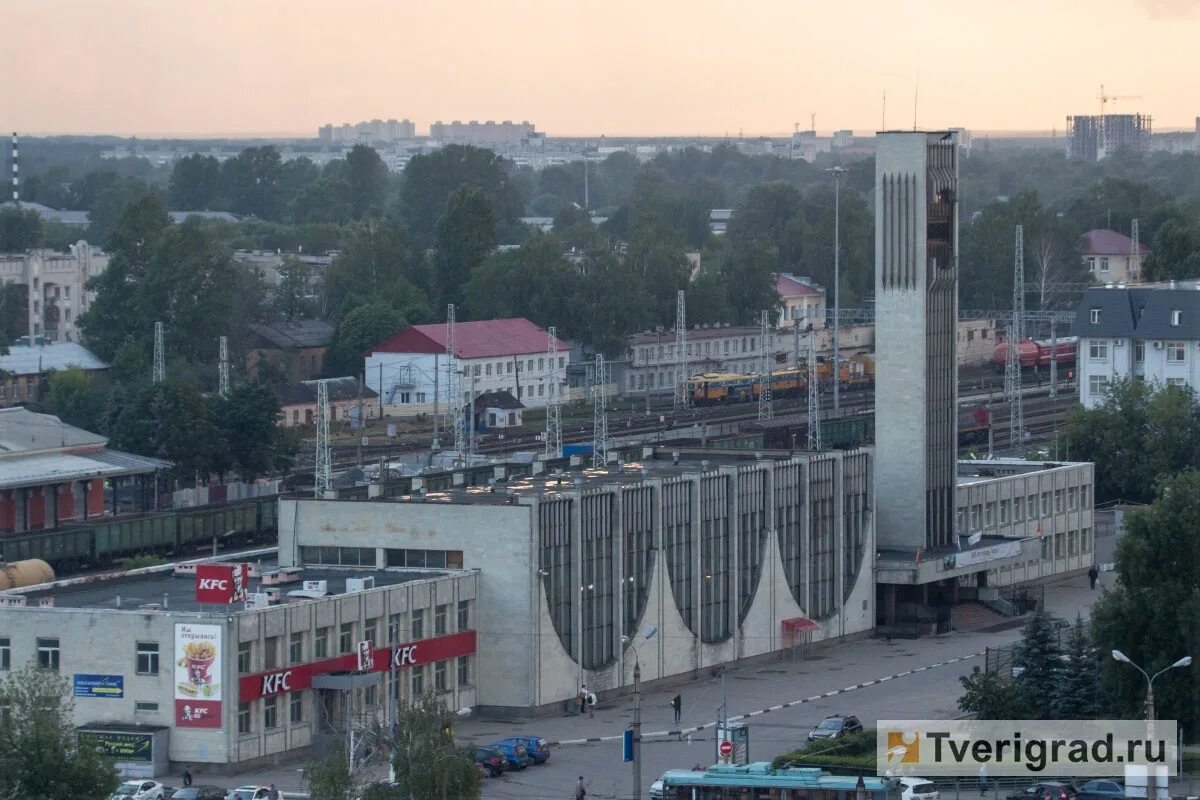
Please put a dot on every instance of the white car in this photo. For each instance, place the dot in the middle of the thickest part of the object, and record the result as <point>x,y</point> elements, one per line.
<point>138,790</point>
<point>919,789</point>
<point>656,790</point>
<point>248,793</point>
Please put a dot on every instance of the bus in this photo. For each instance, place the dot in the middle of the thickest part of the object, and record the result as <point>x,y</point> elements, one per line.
<point>759,781</point>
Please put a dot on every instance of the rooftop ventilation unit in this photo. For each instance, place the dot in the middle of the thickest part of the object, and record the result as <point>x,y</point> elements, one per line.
<point>359,584</point>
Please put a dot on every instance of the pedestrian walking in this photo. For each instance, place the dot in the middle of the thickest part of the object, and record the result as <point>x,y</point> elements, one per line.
<point>187,776</point>
<point>582,700</point>
<point>677,705</point>
<point>591,705</point>
<point>580,789</point>
<point>982,781</point>
<point>1093,576</point>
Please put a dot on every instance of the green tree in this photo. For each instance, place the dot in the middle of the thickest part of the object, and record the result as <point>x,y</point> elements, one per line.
<point>1077,693</point>
<point>250,182</point>
<point>75,398</point>
<point>466,234</point>
<point>249,417</point>
<point>426,760</point>
<point>324,201</point>
<point>431,180</point>
<point>989,695</point>
<point>14,302</point>
<point>367,177</point>
<point>329,778</point>
<point>195,183</point>
<point>747,274</point>
<point>108,203</point>
<point>41,757</point>
<point>291,297</point>
<point>379,263</point>
<point>1037,660</point>
<point>1176,251</point>
<point>19,230</point>
<point>1150,614</point>
<point>169,420</point>
<point>532,282</point>
<point>366,325</point>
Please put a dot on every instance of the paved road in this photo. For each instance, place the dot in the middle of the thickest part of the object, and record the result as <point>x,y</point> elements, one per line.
<point>873,679</point>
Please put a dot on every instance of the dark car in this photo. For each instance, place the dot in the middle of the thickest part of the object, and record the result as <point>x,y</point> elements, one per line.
<point>835,727</point>
<point>1101,790</point>
<point>492,760</point>
<point>536,746</point>
<point>518,757</point>
<point>197,792</point>
<point>1046,790</point>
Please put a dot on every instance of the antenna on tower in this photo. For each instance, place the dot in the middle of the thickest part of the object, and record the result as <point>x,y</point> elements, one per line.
<point>883,114</point>
<point>814,399</point>
<point>322,478</point>
<point>159,370</point>
<point>223,375</point>
<point>1135,253</point>
<point>453,394</point>
<point>681,376</point>
<point>812,122</point>
<point>1015,332</point>
<point>553,412</point>
<point>600,414</point>
<point>16,180</point>
<point>765,357</point>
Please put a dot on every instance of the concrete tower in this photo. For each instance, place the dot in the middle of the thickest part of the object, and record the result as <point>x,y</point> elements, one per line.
<point>916,312</point>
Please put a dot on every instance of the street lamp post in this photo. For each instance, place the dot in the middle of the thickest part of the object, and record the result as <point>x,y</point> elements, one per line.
<point>837,306</point>
<point>637,710</point>
<point>1186,661</point>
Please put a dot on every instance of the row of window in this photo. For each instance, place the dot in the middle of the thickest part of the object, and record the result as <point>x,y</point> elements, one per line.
<point>401,628</point>
<point>984,515</point>
<point>506,367</point>
<point>1176,351</point>
<point>271,706</point>
<point>1071,543</point>
<point>392,557</point>
<point>1175,319</point>
<point>49,655</point>
<point>749,344</point>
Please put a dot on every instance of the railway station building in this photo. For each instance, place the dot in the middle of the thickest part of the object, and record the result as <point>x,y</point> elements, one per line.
<point>229,666</point>
<point>721,557</point>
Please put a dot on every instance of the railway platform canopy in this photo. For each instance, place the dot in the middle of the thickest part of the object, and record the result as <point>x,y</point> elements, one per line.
<point>51,472</point>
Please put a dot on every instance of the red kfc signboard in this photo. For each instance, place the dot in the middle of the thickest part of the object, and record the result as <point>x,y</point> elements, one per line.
<point>221,583</point>
<point>411,654</point>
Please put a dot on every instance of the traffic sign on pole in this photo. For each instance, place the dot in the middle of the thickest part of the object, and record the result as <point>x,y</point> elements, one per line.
<point>725,749</point>
<point>627,745</point>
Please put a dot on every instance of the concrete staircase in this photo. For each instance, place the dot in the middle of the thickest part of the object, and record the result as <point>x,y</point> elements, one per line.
<point>973,615</point>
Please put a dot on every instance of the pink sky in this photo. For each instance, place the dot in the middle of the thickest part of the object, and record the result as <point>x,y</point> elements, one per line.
<point>584,67</point>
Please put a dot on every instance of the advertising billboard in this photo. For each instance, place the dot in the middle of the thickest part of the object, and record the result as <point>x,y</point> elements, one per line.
<point>198,688</point>
<point>120,746</point>
<point>221,583</point>
<point>98,685</point>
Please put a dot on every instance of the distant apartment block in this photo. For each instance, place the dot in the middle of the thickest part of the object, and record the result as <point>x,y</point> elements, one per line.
<point>1094,138</point>
<point>375,131</point>
<point>488,133</point>
<point>55,288</point>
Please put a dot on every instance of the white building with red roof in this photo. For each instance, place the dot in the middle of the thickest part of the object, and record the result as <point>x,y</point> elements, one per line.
<point>800,299</point>
<point>1110,256</point>
<point>408,369</point>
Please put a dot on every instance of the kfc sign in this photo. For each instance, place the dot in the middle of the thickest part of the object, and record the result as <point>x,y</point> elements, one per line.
<point>221,583</point>
<point>275,683</point>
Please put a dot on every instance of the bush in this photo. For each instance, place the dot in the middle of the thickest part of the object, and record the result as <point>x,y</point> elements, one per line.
<point>848,754</point>
<point>143,560</point>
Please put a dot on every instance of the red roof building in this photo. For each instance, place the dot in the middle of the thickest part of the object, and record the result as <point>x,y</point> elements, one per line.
<point>1109,256</point>
<point>801,299</point>
<point>483,339</point>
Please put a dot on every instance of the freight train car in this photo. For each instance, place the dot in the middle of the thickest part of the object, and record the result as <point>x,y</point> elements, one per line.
<point>105,542</point>
<point>840,433</point>
<point>719,388</point>
<point>1037,354</point>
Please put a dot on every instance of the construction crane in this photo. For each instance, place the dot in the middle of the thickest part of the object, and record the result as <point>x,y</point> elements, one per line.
<point>1105,99</point>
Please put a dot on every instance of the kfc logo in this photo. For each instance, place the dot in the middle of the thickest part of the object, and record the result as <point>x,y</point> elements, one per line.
<point>405,656</point>
<point>221,583</point>
<point>276,683</point>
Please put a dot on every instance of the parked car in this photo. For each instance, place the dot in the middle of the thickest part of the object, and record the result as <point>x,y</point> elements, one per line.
<point>537,747</point>
<point>168,792</point>
<point>518,757</point>
<point>656,790</point>
<point>138,790</point>
<point>1046,790</point>
<point>248,793</point>
<point>492,760</point>
<point>835,727</point>
<point>1101,789</point>
<point>919,789</point>
<point>200,792</point>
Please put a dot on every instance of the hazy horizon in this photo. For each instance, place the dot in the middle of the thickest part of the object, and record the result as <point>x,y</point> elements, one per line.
<point>279,69</point>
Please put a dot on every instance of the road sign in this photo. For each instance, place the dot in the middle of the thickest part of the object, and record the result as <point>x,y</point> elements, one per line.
<point>725,749</point>
<point>627,745</point>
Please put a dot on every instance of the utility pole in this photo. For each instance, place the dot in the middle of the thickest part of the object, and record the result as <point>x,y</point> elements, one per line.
<point>362,425</point>
<point>553,411</point>
<point>765,359</point>
<point>1135,254</point>
<point>1012,372</point>
<point>471,423</point>
<point>837,306</point>
<point>814,399</point>
<point>223,373</point>
<point>159,373</point>
<point>681,376</point>
<point>453,393</point>
<point>323,479</point>
<point>600,414</point>
<point>796,343</point>
<point>637,727</point>
<point>1053,359</point>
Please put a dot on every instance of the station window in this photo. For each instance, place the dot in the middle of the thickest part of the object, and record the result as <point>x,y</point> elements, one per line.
<point>1004,512</point>
<point>439,619</point>
<point>5,654</point>
<point>244,718</point>
<point>1072,498</point>
<point>339,556</point>
<point>1098,349</point>
<point>271,653</point>
<point>1046,549</point>
<point>989,513</point>
<point>464,615</point>
<point>424,559</point>
<point>1060,550</point>
<point>147,658</point>
<point>296,707</point>
<point>369,697</point>
<point>1085,541</point>
<point>371,630</point>
<point>1058,501</point>
<point>243,657</point>
<point>1018,509</point>
<point>142,707</point>
<point>346,638</point>
<point>395,628</point>
<point>48,653</point>
<point>271,713</point>
<point>1176,352</point>
<point>464,671</point>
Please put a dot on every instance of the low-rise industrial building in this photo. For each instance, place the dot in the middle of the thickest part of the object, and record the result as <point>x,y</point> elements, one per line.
<point>298,401</point>
<point>237,682</point>
<point>296,349</point>
<point>25,370</point>
<point>727,558</point>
